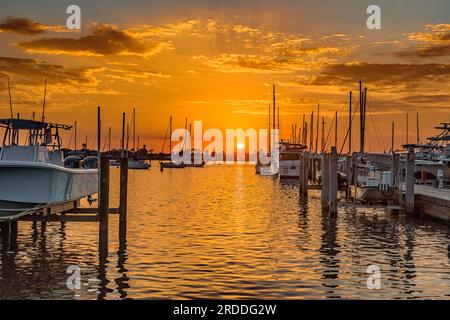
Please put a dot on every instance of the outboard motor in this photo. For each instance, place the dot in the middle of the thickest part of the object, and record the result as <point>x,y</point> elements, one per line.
<point>72,162</point>
<point>90,163</point>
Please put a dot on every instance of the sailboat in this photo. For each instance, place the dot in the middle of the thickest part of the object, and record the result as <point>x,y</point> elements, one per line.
<point>170,164</point>
<point>133,162</point>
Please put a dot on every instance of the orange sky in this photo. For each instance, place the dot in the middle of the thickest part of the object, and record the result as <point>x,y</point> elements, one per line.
<point>218,65</point>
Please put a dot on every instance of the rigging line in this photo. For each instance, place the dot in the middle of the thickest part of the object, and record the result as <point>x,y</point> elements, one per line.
<point>106,141</point>
<point>377,129</point>
<point>332,124</point>
<point>348,132</point>
<point>165,137</point>
<point>70,140</point>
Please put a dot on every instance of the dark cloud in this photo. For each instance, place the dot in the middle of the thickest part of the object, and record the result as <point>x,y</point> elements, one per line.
<point>31,71</point>
<point>432,51</point>
<point>23,26</point>
<point>105,40</point>
<point>384,74</point>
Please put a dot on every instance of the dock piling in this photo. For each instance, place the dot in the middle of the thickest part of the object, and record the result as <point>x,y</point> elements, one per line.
<point>409,185</point>
<point>325,179</point>
<point>333,182</point>
<point>103,206</point>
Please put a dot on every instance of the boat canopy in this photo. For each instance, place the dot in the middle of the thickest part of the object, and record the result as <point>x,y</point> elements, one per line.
<point>26,124</point>
<point>38,132</point>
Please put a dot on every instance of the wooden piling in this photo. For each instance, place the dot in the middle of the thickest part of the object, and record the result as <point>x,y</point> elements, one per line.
<point>409,185</point>
<point>123,189</point>
<point>333,182</point>
<point>103,206</point>
<point>4,230</point>
<point>303,174</point>
<point>325,180</point>
<point>395,170</point>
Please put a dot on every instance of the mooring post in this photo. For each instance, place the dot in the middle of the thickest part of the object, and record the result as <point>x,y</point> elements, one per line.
<point>306,168</point>
<point>354,180</point>
<point>325,180</point>
<point>349,170</point>
<point>395,170</point>
<point>409,187</point>
<point>4,229</point>
<point>333,180</point>
<point>123,188</point>
<point>103,206</point>
<point>300,173</point>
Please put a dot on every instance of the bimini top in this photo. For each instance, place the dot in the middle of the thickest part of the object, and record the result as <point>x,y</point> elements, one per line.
<point>25,124</point>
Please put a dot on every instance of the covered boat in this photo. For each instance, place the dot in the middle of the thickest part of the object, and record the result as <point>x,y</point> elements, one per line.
<point>36,172</point>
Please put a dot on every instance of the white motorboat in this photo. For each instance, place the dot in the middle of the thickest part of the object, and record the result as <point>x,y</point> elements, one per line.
<point>36,172</point>
<point>290,160</point>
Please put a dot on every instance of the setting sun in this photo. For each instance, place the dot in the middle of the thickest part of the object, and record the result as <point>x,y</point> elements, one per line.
<point>240,146</point>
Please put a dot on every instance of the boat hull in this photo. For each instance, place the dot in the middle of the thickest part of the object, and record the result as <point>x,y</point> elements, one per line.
<point>26,182</point>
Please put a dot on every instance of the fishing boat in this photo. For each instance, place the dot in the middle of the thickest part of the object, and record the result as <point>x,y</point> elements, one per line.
<point>290,160</point>
<point>373,185</point>
<point>37,172</point>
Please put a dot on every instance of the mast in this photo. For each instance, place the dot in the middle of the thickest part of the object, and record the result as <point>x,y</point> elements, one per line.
<point>109,139</point>
<point>170,135</point>
<point>317,127</point>
<point>417,122</point>
<point>134,129</point>
<point>273,124</point>
<point>10,99</point>
<point>43,102</point>
<point>361,119</point>
<point>350,126</point>
<point>75,132</point>
<point>323,135</point>
<point>303,130</point>
<point>270,137</point>
<point>311,134</point>
<point>392,137</point>
<point>407,128</point>
<point>335,128</point>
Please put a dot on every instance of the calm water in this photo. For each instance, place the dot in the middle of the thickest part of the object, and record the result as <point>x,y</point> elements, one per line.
<point>224,232</point>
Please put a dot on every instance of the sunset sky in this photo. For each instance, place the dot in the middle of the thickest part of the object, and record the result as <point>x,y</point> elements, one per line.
<point>216,61</point>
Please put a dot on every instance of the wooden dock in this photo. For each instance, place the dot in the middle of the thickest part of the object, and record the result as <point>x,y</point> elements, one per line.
<point>432,202</point>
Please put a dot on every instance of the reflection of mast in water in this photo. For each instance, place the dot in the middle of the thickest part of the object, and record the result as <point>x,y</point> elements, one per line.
<point>329,250</point>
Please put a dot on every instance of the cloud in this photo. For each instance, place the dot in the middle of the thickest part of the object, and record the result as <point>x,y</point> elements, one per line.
<point>382,74</point>
<point>105,40</point>
<point>32,72</point>
<point>28,27</point>
<point>432,44</point>
<point>426,52</point>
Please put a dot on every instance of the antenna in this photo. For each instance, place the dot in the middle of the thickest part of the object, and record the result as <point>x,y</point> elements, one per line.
<point>43,102</point>
<point>10,99</point>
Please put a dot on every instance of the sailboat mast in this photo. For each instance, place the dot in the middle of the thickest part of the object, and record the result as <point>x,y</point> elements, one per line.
<point>10,99</point>
<point>350,126</point>
<point>170,135</point>
<point>417,122</point>
<point>336,129</point>
<point>323,135</point>
<point>109,139</point>
<point>270,137</point>
<point>43,102</point>
<point>407,128</point>
<point>134,129</point>
<point>317,127</point>
<point>75,129</point>
<point>392,137</point>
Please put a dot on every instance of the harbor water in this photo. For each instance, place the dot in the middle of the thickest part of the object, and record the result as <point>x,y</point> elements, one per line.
<point>224,232</point>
